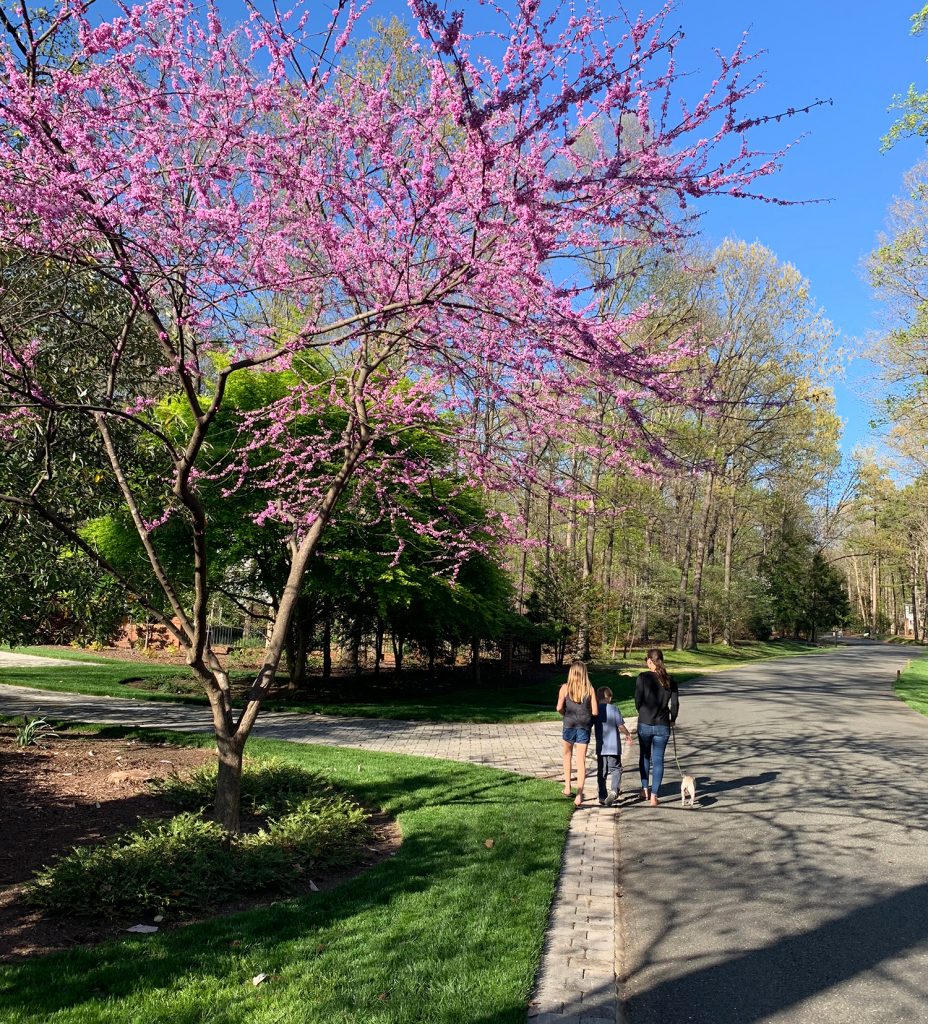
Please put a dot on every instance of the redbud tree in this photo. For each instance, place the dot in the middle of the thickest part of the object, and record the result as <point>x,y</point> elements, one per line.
<point>250,199</point>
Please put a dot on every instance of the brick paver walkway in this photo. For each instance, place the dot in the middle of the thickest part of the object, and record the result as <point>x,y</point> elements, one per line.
<point>576,983</point>
<point>583,947</point>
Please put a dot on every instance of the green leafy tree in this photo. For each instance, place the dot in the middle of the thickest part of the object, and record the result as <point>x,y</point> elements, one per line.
<point>914,104</point>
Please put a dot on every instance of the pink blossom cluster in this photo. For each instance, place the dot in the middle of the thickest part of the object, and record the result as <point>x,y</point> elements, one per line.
<point>428,246</point>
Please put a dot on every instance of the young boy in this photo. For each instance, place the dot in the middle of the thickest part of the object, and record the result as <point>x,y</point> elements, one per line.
<point>609,722</point>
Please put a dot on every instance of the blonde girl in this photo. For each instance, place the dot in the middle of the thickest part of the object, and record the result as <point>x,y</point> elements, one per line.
<point>576,702</point>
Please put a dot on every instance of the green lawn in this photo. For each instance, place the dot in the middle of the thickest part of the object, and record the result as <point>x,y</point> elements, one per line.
<point>912,686</point>
<point>445,931</point>
<point>503,701</point>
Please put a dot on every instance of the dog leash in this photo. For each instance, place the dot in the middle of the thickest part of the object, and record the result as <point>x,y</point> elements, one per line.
<point>673,736</point>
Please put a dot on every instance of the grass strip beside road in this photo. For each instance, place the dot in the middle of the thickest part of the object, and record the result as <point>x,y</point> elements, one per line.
<point>912,685</point>
<point>506,702</point>
<point>447,930</point>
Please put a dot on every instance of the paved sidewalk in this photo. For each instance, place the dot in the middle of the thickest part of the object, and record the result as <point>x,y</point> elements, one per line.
<point>576,982</point>
<point>10,659</point>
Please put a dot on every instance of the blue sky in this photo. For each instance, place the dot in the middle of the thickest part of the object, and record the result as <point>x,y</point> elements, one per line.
<point>858,54</point>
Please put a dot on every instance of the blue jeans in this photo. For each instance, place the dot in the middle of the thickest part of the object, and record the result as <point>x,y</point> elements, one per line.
<point>652,742</point>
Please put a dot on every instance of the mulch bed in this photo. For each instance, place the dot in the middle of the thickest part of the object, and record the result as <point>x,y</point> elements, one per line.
<point>80,789</point>
<point>169,656</point>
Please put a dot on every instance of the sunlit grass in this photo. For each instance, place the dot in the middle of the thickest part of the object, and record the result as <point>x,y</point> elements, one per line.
<point>912,685</point>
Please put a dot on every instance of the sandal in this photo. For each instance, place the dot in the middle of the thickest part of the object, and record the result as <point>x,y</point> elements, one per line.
<point>579,801</point>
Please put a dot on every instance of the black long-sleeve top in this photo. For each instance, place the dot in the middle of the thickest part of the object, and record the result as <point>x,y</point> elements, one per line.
<point>656,706</point>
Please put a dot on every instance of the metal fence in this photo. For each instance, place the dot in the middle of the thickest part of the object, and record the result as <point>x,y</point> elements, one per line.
<point>234,636</point>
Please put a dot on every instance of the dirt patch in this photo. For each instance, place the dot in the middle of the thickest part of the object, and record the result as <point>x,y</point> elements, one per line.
<point>81,789</point>
<point>170,656</point>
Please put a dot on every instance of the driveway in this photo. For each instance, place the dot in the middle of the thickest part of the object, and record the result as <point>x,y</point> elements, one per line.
<point>9,659</point>
<point>797,891</point>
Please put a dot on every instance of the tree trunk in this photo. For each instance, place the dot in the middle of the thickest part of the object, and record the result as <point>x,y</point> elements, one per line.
<point>589,543</point>
<point>889,603</point>
<point>645,631</point>
<point>608,560</point>
<point>475,658</point>
<point>701,540</point>
<point>398,642</point>
<point>298,646</point>
<point>526,529</point>
<point>378,647</point>
<point>355,652</point>
<point>549,526</point>
<point>572,515</point>
<point>327,648</point>
<point>925,596</point>
<point>683,588</point>
<point>862,611</point>
<point>229,782</point>
<point>298,678</point>
<point>727,631</point>
<point>874,594</point>
<point>290,660</point>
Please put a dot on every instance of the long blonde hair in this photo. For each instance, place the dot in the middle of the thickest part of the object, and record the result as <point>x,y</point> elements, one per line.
<point>578,683</point>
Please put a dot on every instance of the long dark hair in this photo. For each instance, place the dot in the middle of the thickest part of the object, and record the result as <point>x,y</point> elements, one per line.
<point>657,657</point>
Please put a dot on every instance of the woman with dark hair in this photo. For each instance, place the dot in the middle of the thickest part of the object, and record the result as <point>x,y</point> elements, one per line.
<point>657,701</point>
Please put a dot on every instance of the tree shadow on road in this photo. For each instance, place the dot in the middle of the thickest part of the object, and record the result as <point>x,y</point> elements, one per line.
<point>707,790</point>
<point>797,879</point>
<point>758,985</point>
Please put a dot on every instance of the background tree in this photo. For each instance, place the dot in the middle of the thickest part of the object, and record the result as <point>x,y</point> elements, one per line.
<point>898,270</point>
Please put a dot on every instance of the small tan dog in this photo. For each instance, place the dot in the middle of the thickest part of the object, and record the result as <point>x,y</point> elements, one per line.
<point>688,791</point>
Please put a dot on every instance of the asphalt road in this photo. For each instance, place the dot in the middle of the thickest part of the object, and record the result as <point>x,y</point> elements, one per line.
<point>796,892</point>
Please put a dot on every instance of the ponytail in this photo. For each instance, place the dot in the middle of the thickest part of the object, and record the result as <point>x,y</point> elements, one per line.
<point>657,658</point>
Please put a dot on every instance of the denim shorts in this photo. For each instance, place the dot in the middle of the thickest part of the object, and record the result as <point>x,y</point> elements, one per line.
<point>576,734</point>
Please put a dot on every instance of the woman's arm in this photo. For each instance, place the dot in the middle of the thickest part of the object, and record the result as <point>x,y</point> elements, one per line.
<point>674,703</point>
<point>594,704</point>
<point>639,692</point>
<point>561,697</point>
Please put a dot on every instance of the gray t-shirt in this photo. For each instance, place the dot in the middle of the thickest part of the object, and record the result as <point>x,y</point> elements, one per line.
<point>607,729</point>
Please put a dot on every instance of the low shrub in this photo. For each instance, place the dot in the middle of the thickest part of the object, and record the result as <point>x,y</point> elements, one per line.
<point>245,657</point>
<point>270,788</point>
<point>188,864</point>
